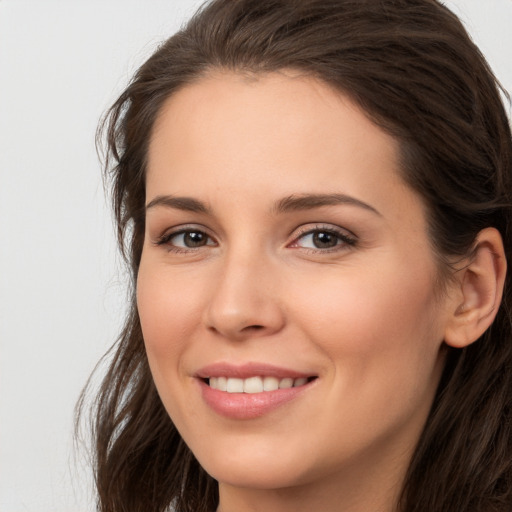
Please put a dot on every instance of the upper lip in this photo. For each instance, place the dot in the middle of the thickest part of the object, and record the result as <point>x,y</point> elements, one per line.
<point>246,370</point>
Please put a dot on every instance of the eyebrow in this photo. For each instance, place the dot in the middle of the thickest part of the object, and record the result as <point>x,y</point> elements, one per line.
<point>290,203</point>
<point>310,201</point>
<point>187,204</point>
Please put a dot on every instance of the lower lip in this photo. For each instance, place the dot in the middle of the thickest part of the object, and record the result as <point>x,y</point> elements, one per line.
<point>246,406</point>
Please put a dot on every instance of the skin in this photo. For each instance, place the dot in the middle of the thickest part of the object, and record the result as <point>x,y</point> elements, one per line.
<point>365,318</point>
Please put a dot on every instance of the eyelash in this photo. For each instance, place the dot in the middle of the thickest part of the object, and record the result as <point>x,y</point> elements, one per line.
<point>343,239</point>
<point>166,238</point>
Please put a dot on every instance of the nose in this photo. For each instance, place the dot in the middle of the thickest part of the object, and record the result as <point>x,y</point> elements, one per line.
<point>245,303</point>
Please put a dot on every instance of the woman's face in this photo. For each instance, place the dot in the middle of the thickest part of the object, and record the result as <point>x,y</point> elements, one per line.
<point>282,249</point>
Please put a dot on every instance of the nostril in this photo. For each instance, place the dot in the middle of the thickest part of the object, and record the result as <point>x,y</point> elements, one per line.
<point>253,328</point>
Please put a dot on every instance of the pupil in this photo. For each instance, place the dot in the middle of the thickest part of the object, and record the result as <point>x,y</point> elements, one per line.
<point>194,239</point>
<point>324,240</point>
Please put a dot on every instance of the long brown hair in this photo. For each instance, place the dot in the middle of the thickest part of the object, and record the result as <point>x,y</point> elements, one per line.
<point>413,69</point>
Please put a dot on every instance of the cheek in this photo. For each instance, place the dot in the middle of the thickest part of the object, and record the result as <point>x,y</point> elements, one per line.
<point>168,314</point>
<point>366,316</point>
<point>382,337</point>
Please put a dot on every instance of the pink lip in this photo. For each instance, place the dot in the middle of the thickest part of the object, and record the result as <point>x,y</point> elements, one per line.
<point>247,370</point>
<point>245,406</point>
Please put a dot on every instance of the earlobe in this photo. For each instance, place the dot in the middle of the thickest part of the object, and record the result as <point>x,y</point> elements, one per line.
<point>480,289</point>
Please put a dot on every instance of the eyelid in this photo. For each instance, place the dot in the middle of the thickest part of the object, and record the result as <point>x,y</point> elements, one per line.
<point>169,233</point>
<point>346,236</point>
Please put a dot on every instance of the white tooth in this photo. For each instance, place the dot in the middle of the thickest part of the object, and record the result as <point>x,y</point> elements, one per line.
<point>253,385</point>
<point>285,383</point>
<point>235,385</point>
<point>222,383</point>
<point>270,384</point>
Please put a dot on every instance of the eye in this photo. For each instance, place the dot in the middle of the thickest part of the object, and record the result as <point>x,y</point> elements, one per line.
<point>189,239</point>
<point>319,240</point>
<point>186,239</point>
<point>323,239</point>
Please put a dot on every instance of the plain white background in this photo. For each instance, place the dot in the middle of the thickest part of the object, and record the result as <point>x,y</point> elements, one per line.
<point>62,292</point>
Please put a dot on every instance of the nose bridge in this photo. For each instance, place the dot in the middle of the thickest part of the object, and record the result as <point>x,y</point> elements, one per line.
<point>244,302</point>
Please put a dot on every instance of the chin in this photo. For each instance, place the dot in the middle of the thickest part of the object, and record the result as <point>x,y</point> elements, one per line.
<point>247,475</point>
<point>248,462</point>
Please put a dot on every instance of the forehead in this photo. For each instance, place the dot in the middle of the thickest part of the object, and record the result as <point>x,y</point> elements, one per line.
<point>270,136</point>
<point>225,101</point>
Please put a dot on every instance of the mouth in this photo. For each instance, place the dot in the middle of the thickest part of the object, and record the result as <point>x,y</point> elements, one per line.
<point>255,384</point>
<point>252,390</point>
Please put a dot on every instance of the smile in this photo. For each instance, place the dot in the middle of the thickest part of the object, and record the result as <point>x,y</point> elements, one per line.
<point>254,384</point>
<point>251,390</point>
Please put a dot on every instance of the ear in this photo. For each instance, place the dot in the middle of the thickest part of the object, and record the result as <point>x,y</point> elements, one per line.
<point>479,290</point>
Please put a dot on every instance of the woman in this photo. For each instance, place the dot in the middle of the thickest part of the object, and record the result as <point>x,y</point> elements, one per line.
<point>314,197</point>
